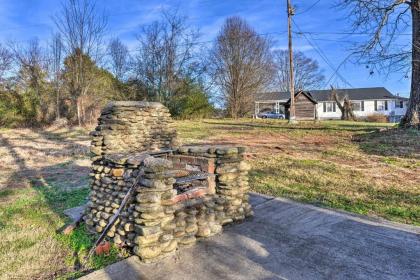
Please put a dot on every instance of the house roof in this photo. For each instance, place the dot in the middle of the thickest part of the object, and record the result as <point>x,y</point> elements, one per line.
<point>275,95</point>
<point>307,94</point>
<point>325,95</point>
<point>402,98</point>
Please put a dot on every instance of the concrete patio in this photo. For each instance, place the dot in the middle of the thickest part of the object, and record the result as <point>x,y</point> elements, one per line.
<point>289,240</point>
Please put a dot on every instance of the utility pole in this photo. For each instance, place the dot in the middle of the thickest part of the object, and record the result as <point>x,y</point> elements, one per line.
<point>290,13</point>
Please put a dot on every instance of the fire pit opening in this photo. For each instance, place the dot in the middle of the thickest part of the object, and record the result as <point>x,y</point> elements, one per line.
<point>195,176</point>
<point>182,193</point>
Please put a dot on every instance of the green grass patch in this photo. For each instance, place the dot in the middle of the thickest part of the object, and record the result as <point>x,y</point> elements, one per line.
<point>80,242</point>
<point>6,193</point>
<point>60,200</point>
<point>29,220</point>
<point>330,185</point>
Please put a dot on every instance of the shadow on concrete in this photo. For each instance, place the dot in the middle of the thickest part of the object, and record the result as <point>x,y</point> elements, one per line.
<point>288,240</point>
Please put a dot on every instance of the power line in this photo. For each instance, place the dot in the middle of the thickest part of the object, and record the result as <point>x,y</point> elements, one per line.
<point>196,43</point>
<point>322,55</point>
<point>337,69</point>
<point>103,54</point>
<point>310,8</point>
<point>347,33</point>
<point>332,40</point>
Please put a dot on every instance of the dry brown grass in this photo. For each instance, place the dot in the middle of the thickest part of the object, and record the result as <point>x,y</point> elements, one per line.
<point>29,154</point>
<point>377,118</point>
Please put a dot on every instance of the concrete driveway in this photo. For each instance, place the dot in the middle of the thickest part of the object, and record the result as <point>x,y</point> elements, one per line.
<point>289,240</point>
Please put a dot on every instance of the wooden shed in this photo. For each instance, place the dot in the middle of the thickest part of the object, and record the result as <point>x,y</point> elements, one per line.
<point>305,106</point>
<point>279,102</point>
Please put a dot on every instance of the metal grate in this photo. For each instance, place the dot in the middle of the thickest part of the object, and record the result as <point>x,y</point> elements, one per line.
<point>194,180</point>
<point>193,176</point>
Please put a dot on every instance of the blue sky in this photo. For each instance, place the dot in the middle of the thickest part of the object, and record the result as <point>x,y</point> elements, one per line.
<point>22,20</point>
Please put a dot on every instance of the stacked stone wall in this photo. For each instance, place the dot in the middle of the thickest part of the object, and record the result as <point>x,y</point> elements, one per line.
<point>111,179</point>
<point>131,126</point>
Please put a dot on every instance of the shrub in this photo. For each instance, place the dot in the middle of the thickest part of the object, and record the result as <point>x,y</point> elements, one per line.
<point>10,110</point>
<point>192,103</point>
<point>379,118</point>
<point>20,109</point>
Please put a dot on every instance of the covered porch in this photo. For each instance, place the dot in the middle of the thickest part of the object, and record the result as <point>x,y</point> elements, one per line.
<point>277,106</point>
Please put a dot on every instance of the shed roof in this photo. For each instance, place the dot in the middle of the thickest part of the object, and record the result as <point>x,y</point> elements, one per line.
<point>325,95</point>
<point>305,93</point>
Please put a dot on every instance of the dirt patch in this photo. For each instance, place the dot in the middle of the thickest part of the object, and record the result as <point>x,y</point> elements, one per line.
<point>29,155</point>
<point>269,142</point>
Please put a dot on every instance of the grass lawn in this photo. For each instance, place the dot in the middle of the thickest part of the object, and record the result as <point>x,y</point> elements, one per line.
<point>42,174</point>
<point>30,246</point>
<point>365,168</point>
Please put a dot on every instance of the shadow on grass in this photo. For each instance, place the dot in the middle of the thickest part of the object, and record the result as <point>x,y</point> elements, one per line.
<point>20,153</point>
<point>50,189</point>
<point>301,126</point>
<point>68,191</point>
<point>53,188</point>
<point>43,204</point>
<point>395,142</point>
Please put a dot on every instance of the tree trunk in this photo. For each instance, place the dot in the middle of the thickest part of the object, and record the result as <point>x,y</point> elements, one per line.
<point>348,109</point>
<point>78,112</point>
<point>341,107</point>
<point>58,102</point>
<point>412,116</point>
<point>82,110</point>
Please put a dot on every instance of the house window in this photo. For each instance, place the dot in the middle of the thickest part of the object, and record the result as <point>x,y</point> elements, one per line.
<point>381,105</point>
<point>400,104</point>
<point>358,106</point>
<point>329,106</point>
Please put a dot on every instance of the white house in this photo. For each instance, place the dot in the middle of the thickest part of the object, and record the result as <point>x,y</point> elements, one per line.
<point>365,101</point>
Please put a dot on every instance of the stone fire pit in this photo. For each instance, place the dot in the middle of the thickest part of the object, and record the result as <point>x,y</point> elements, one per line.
<point>182,193</point>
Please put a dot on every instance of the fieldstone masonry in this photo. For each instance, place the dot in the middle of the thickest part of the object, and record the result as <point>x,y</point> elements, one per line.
<point>183,193</point>
<point>129,126</point>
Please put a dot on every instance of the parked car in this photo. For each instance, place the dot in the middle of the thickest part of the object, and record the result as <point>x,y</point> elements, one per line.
<point>271,115</point>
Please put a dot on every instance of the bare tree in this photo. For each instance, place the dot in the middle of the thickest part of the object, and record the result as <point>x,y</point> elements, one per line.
<point>6,61</point>
<point>32,63</point>
<point>168,54</point>
<point>31,73</point>
<point>385,20</point>
<point>82,29</point>
<point>241,64</point>
<point>56,62</point>
<point>344,104</point>
<point>307,72</point>
<point>119,55</point>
